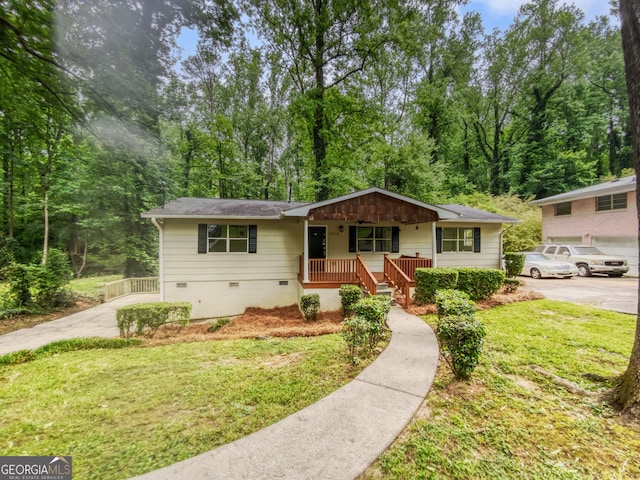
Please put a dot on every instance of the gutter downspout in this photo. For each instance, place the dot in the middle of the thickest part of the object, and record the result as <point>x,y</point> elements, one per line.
<point>500,253</point>
<point>434,246</point>
<point>160,257</point>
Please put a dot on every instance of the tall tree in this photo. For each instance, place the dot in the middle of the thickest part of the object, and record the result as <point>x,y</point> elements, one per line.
<point>626,393</point>
<point>323,43</point>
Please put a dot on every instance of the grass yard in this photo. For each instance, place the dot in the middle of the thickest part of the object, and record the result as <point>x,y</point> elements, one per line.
<point>510,422</point>
<point>124,412</point>
<point>92,286</point>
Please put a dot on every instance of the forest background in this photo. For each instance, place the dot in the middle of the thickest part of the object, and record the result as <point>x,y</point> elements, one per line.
<point>99,123</point>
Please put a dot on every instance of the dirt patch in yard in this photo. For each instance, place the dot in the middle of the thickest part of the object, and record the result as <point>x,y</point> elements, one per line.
<point>495,301</point>
<point>255,323</point>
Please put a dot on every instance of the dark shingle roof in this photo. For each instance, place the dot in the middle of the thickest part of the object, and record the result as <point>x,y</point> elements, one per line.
<point>468,214</point>
<point>187,207</point>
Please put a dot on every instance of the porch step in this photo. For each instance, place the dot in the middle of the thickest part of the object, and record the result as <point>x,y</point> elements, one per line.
<point>384,289</point>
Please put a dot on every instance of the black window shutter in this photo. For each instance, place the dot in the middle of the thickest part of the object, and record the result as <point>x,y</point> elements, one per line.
<point>439,240</point>
<point>253,238</point>
<point>476,239</point>
<point>353,232</point>
<point>395,239</point>
<point>202,238</point>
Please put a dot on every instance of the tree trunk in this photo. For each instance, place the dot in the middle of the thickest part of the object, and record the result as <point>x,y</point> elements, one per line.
<point>626,394</point>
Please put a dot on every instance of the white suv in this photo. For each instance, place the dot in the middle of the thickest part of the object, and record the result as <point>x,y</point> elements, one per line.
<point>588,259</point>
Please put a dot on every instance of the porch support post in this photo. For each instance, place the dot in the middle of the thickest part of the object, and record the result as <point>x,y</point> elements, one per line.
<point>305,254</point>
<point>434,246</point>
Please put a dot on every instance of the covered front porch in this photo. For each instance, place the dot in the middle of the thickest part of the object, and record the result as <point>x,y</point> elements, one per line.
<point>333,272</point>
<point>372,238</point>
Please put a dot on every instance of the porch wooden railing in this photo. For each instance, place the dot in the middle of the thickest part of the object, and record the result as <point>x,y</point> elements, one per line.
<point>126,286</point>
<point>394,274</point>
<point>409,264</point>
<point>331,270</point>
<point>367,278</point>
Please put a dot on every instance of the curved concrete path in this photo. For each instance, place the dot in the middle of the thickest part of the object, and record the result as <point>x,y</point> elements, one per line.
<point>98,321</point>
<point>339,436</point>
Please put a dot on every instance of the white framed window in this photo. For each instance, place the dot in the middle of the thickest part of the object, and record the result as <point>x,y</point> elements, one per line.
<point>227,238</point>
<point>374,239</point>
<point>457,240</point>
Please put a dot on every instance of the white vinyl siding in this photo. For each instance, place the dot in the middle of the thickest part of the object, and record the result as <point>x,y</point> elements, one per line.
<point>489,255</point>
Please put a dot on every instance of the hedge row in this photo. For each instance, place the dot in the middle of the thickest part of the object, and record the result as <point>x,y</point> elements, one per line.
<point>146,318</point>
<point>478,283</point>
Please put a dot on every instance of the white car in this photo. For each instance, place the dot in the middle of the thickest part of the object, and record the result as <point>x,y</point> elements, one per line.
<point>539,265</point>
<point>588,259</point>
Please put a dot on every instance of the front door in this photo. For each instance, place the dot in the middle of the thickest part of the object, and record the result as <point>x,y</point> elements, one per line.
<point>317,242</point>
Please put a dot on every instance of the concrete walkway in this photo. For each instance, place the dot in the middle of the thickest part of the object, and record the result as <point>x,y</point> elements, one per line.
<point>99,321</point>
<point>339,436</point>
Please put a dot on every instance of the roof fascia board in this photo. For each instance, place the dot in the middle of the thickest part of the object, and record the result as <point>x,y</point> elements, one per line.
<point>581,195</point>
<point>213,217</point>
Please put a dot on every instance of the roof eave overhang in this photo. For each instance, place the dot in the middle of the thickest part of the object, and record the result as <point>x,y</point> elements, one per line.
<point>581,196</point>
<point>476,221</point>
<point>212,217</point>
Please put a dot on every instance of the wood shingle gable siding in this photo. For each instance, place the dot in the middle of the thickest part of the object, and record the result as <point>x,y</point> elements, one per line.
<point>374,207</point>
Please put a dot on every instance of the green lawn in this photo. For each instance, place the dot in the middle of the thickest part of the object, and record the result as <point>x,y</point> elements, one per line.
<point>510,422</point>
<point>120,413</point>
<point>92,286</point>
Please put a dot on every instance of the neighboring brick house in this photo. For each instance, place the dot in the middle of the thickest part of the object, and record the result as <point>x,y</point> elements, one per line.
<point>603,215</point>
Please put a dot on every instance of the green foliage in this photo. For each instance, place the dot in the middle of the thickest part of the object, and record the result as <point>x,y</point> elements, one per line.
<point>310,305</point>
<point>349,296</point>
<point>71,345</point>
<point>48,281</point>
<point>19,291</point>
<point>430,280</point>
<point>366,328</point>
<point>511,285</point>
<point>513,263</point>
<point>479,283</point>
<point>218,324</point>
<point>453,303</point>
<point>461,338</point>
<point>146,318</point>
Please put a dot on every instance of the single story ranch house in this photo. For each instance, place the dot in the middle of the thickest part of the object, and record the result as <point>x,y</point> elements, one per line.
<point>225,255</point>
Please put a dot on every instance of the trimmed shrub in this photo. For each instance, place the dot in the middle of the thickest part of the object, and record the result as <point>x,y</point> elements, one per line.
<point>430,280</point>
<point>480,283</point>
<point>363,331</point>
<point>349,296</point>
<point>453,303</point>
<point>355,332</point>
<point>511,285</point>
<point>461,339</point>
<point>146,318</point>
<point>513,263</point>
<point>310,305</point>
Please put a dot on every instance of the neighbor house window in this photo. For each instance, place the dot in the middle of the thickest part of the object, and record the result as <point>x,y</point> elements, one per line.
<point>224,238</point>
<point>563,208</point>
<point>374,239</point>
<point>617,201</point>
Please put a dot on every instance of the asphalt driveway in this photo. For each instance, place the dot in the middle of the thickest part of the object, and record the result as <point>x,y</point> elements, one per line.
<point>99,321</point>
<point>617,294</point>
